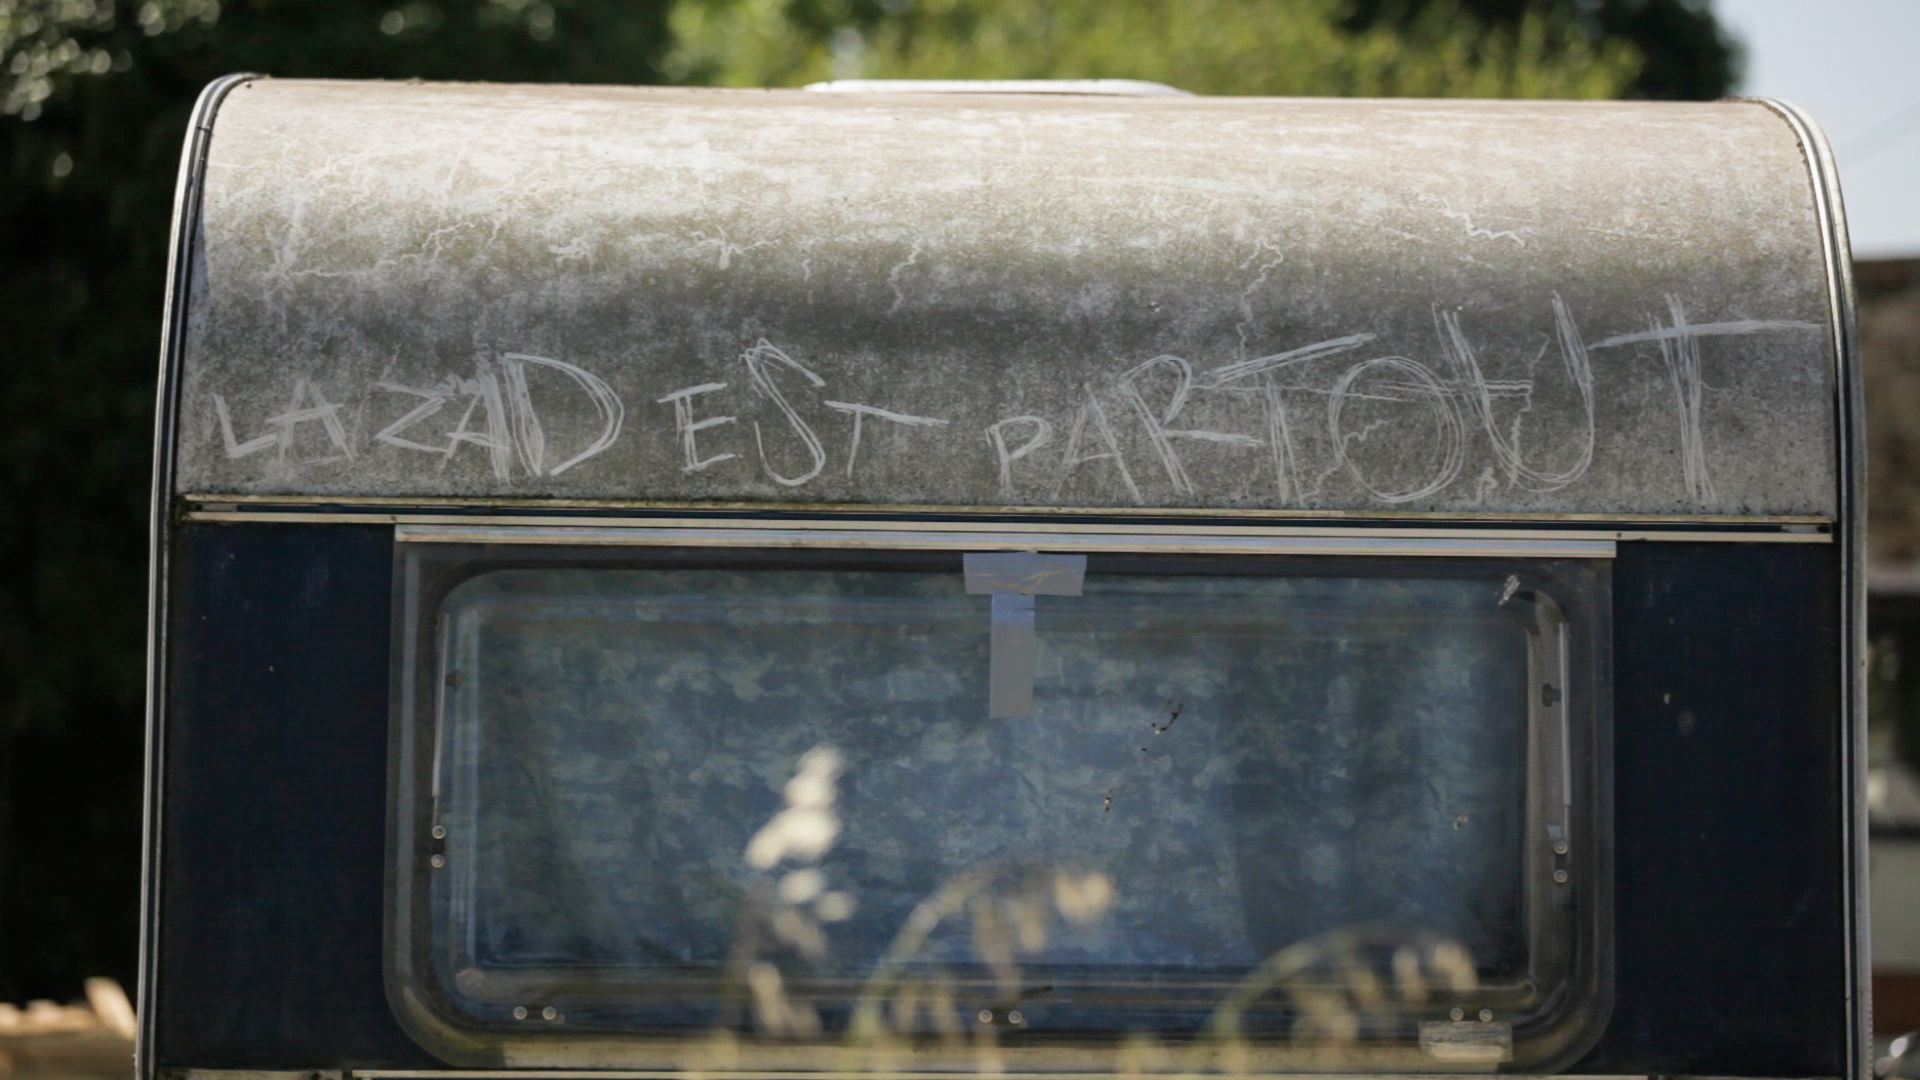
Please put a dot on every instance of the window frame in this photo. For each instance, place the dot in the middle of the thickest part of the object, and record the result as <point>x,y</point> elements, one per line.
<point>1568,751</point>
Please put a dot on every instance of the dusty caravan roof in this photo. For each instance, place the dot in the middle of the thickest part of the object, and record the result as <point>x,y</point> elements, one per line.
<point>405,290</point>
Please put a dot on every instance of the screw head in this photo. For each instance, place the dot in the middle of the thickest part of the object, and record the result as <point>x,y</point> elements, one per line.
<point>549,1013</point>
<point>1559,847</point>
<point>1458,1013</point>
<point>1560,877</point>
<point>986,1016</point>
<point>1486,1014</point>
<point>439,832</point>
<point>519,1012</point>
<point>438,861</point>
<point>1016,1017</point>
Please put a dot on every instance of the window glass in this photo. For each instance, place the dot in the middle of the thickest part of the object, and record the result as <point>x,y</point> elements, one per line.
<point>649,784</point>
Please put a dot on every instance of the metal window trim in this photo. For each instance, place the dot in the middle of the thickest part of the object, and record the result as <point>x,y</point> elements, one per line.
<point>1791,534</point>
<point>759,535</point>
<point>537,1052</point>
<point>780,1075</point>
<point>361,506</point>
<point>761,1074</point>
<point>1081,87</point>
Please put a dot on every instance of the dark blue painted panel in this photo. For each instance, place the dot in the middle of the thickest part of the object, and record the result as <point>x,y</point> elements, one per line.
<point>273,864</point>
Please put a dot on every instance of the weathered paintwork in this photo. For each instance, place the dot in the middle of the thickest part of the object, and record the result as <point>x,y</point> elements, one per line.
<point>418,290</point>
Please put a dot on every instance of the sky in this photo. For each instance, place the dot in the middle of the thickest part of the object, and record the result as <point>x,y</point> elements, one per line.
<point>1855,66</point>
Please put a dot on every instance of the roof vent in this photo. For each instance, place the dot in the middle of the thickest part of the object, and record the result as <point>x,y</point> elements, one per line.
<point>1100,87</point>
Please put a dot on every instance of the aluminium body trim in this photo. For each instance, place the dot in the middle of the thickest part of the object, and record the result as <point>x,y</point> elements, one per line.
<point>403,504</point>
<point>1550,547</point>
<point>173,328</point>
<point>989,529</point>
<point>800,1074</point>
<point>1081,87</point>
<point>1849,407</point>
<point>782,1075</point>
<point>803,1074</point>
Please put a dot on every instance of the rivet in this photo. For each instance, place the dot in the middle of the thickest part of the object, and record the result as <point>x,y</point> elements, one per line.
<point>1486,1014</point>
<point>519,1012</point>
<point>1458,1013</point>
<point>549,1013</point>
<point>439,832</point>
<point>986,1016</point>
<point>1016,1017</point>
<point>438,861</point>
<point>1560,877</point>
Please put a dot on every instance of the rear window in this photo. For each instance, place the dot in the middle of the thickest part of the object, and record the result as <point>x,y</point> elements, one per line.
<point>652,796</point>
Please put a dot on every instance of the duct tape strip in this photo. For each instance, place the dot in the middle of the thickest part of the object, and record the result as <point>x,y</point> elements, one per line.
<point>1013,656</point>
<point>1026,572</point>
<point>1013,579</point>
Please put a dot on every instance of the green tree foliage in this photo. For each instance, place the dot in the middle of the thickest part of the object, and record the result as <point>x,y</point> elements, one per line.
<point>94,96</point>
<point>1297,47</point>
<point>1684,52</point>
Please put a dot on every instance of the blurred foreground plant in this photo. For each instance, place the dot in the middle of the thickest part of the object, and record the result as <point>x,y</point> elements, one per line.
<point>955,982</point>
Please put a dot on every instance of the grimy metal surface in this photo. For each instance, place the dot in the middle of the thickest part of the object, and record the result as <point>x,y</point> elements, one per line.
<point>612,293</point>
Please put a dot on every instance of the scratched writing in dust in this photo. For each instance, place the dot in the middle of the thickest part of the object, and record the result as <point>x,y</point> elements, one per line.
<point>1399,429</point>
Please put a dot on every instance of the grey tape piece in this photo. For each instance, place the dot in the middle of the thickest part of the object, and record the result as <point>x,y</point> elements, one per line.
<point>1014,578</point>
<point>1012,657</point>
<point>1026,572</point>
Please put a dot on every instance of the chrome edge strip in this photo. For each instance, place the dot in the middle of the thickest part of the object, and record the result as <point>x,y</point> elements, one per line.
<point>1849,415</point>
<point>987,528</point>
<point>531,506</point>
<point>173,328</point>
<point>1538,547</point>
<point>803,1074</point>
<point>806,1074</point>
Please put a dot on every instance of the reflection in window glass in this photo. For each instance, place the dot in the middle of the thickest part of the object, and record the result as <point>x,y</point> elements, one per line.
<point>1232,764</point>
